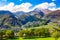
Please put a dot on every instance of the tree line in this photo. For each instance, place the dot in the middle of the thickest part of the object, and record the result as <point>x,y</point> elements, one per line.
<point>40,32</point>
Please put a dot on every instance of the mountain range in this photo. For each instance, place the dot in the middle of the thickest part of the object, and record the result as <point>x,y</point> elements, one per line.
<point>10,20</point>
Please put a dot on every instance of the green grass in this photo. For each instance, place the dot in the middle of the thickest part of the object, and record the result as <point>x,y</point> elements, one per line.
<point>39,39</point>
<point>35,39</point>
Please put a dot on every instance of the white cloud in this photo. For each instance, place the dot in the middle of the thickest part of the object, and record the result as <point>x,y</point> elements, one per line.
<point>22,7</point>
<point>52,4</point>
<point>20,0</point>
<point>26,7</point>
<point>42,6</point>
<point>7,7</point>
<point>53,0</point>
<point>52,9</point>
<point>46,5</point>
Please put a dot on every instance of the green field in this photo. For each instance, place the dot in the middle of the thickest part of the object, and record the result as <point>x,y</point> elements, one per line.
<point>36,39</point>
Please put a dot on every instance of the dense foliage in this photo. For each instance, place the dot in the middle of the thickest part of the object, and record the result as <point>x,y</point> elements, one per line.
<point>42,32</point>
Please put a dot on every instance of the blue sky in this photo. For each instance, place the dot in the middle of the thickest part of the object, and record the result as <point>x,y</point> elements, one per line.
<point>31,3</point>
<point>34,2</point>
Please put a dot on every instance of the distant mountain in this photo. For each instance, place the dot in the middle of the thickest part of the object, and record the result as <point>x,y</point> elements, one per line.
<point>37,12</point>
<point>46,11</point>
<point>35,15</point>
<point>18,13</point>
<point>53,16</point>
<point>17,19</point>
<point>8,20</point>
<point>31,16</point>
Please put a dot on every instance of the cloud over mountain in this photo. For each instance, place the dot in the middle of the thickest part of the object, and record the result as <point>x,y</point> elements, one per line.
<point>26,7</point>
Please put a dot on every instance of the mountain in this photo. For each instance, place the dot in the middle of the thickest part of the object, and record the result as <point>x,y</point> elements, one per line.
<point>8,20</point>
<point>20,18</point>
<point>53,16</point>
<point>46,11</point>
<point>18,13</point>
<point>31,16</point>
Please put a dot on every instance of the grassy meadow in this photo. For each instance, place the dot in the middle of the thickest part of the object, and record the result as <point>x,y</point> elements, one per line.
<point>36,39</point>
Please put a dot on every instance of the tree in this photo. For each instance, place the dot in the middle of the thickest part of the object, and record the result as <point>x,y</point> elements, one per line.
<point>30,33</point>
<point>55,35</point>
<point>2,32</point>
<point>46,32</point>
<point>21,33</point>
<point>42,32</point>
<point>39,32</point>
<point>9,34</point>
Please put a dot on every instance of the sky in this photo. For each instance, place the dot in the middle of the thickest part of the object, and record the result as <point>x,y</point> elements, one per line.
<point>29,5</point>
